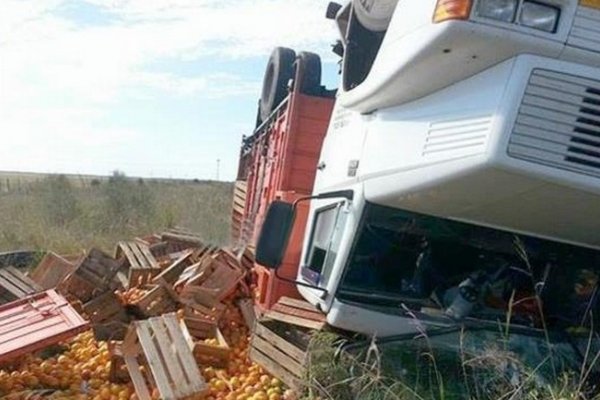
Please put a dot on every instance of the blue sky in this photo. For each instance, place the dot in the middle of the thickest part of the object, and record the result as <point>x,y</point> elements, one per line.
<point>158,88</point>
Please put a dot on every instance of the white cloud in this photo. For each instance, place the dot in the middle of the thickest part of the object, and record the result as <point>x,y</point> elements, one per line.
<point>59,75</point>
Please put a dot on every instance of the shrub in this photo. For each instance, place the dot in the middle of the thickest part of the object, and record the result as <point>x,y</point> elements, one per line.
<point>59,200</point>
<point>127,201</point>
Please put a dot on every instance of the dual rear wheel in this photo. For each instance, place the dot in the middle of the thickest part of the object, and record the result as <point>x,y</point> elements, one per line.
<point>281,69</point>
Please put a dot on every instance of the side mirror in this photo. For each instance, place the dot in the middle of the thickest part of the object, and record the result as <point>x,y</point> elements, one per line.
<point>274,234</point>
<point>332,10</point>
<point>338,48</point>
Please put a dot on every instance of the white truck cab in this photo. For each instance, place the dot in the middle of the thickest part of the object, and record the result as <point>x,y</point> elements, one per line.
<point>471,146</point>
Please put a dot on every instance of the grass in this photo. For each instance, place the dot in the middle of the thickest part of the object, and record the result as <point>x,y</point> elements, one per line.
<point>418,369</point>
<point>458,363</point>
<point>56,214</point>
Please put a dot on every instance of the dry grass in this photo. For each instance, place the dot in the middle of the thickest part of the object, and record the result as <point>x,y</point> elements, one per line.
<point>415,370</point>
<point>444,368</point>
<point>54,213</point>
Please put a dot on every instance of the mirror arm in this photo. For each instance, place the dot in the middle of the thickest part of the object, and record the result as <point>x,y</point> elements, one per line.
<point>295,282</point>
<point>346,194</point>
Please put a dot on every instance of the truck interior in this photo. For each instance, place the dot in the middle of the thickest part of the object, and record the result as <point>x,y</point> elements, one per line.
<point>402,259</point>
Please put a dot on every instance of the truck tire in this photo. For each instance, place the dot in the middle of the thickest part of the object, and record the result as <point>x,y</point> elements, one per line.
<point>311,79</point>
<point>280,70</point>
<point>258,117</point>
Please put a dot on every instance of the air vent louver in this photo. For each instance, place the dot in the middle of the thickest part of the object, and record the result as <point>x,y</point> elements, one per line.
<point>585,33</point>
<point>457,136</point>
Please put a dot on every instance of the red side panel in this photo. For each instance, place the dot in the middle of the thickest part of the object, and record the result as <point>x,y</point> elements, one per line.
<point>281,161</point>
<point>33,323</point>
<point>289,158</point>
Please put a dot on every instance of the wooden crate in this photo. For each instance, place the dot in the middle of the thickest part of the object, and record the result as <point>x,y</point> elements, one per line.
<point>296,312</point>
<point>246,258</point>
<point>162,346</point>
<point>160,299</point>
<point>238,210</point>
<point>93,276</point>
<point>108,317</point>
<point>219,276</point>
<point>52,270</point>
<point>121,279</point>
<point>281,349</point>
<point>35,323</point>
<point>113,330</point>
<point>180,239</point>
<point>143,267</point>
<point>104,308</point>
<point>215,354</point>
<point>159,250</point>
<point>15,285</point>
<point>248,311</point>
<point>148,240</point>
<point>202,261</point>
<point>118,370</point>
<point>199,325</point>
<point>172,273</point>
<point>197,295</point>
<point>212,313</point>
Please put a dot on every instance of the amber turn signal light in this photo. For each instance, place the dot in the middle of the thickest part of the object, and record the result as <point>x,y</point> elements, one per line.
<point>590,3</point>
<point>452,9</point>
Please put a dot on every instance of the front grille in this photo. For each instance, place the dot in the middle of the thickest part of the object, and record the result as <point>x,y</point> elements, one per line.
<point>585,33</point>
<point>559,122</point>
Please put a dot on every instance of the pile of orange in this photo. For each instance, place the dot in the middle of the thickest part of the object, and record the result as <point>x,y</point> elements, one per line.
<point>81,371</point>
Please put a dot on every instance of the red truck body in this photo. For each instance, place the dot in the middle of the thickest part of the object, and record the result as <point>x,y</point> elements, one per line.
<point>279,161</point>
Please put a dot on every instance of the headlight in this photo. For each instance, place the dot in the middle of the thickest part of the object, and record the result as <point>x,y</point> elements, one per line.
<point>500,10</point>
<point>539,16</point>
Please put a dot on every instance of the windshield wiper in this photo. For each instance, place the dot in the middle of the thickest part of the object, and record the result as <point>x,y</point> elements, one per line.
<point>380,296</point>
<point>377,298</point>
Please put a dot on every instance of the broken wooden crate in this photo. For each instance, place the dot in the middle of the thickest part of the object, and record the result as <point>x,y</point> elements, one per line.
<point>201,259</point>
<point>143,267</point>
<point>217,278</point>
<point>51,270</point>
<point>172,273</point>
<point>281,349</point>
<point>94,275</point>
<point>36,322</point>
<point>15,285</point>
<point>162,346</point>
<point>160,299</point>
<point>210,347</point>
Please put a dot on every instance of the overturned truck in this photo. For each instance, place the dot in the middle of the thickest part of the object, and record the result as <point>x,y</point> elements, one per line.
<point>457,183</point>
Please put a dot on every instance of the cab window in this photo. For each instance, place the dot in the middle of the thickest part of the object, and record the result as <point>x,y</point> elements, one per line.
<point>324,244</point>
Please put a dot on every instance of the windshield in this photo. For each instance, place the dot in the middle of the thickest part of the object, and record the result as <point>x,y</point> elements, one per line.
<point>422,262</point>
